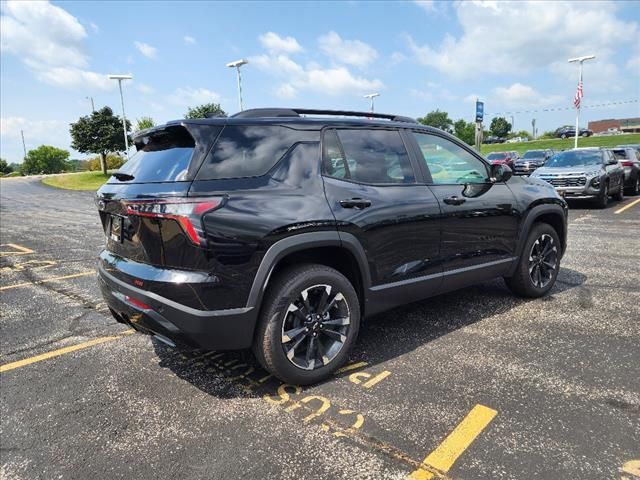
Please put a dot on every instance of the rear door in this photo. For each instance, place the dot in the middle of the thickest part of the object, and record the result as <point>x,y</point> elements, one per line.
<point>161,169</point>
<point>479,217</point>
<point>374,193</point>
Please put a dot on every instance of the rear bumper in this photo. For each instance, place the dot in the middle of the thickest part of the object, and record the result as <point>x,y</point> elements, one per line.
<point>171,322</point>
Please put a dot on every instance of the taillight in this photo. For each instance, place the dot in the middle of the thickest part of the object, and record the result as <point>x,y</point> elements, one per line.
<point>627,163</point>
<point>188,212</point>
<point>137,303</point>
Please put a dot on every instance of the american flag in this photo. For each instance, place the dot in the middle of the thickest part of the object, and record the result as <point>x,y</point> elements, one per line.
<point>579,94</point>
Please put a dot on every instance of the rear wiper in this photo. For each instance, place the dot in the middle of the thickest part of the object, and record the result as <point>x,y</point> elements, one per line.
<point>123,177</point>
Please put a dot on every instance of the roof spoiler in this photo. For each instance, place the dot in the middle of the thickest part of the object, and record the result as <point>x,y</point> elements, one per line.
<point>297,112</point>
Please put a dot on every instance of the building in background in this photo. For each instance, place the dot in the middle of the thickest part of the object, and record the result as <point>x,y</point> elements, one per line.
<point>625,125</point>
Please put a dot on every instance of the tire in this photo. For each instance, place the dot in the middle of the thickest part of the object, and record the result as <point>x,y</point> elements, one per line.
<point>564,135</point>
<point>603,199</point>
<point>635,189</point>
<point>522,282</point>
<point>585,134</point>
<point>284,310</point>
<point>619,196</point>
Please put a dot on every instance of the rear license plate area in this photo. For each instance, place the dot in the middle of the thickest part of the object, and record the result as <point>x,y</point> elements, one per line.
<point>116,224</point>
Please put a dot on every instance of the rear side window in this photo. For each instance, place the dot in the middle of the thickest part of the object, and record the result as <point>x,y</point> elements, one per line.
<point>163,156</point>
<point>367,156</point>
<point>250,150</point>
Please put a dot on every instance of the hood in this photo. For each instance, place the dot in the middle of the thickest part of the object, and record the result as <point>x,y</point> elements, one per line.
<point>562,171</point>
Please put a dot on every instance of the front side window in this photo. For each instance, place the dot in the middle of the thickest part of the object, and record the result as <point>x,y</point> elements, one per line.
<point>367,156</point>
<point>449,163</point>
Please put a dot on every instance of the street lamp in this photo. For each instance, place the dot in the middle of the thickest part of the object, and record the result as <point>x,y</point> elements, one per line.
<point>371,96</point>
<point>119,78</point>
<point>578,97</point>
<point>237,64</point>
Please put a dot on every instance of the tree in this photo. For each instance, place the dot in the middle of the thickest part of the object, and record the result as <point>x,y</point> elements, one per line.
<point>99,133</point>
<point>465,131</point>
<point>4,167</point>
<point>500,127</point>
<point>144,122</point>
<point>113,162</point>
<point>207,109</point>
<point>45,159</point>
<point>437,119</point>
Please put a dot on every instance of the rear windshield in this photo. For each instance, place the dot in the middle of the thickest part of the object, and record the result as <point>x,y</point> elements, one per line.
<point>495,156</point>
<point>163,156</point>
<point>575,159</point>
<point>250,150</point>
<point>620,154</point>
<point>534,154</point>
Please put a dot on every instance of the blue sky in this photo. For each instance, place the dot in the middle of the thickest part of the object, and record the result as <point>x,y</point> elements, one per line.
<point>418,55</point>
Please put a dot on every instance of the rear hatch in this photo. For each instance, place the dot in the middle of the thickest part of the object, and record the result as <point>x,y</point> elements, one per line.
<point>144,207</point>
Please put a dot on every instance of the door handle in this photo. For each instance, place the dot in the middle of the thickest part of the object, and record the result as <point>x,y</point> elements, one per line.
<point>355,203</point>
<point>454,200</point>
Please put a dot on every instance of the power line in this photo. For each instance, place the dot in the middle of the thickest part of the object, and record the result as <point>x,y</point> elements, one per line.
<point>558,109</point>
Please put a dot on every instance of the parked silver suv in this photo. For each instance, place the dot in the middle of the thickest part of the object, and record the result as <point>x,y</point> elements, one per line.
<point>592,173</point>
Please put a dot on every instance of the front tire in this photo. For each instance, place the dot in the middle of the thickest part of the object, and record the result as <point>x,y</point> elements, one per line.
<point>308,324</point>
<point>539,263</point>
<point>619,196</point>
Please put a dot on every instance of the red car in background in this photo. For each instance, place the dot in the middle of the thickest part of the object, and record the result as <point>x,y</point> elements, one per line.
<point>503,158</point>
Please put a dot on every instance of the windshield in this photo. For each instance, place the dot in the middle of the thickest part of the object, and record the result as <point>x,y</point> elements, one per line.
<point>497,155</point>
<point>620,154</point>
<point>534,154</point>
<point>575,158</point>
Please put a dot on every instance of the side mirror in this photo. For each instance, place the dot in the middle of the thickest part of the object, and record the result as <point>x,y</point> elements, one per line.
<point>501,173</point>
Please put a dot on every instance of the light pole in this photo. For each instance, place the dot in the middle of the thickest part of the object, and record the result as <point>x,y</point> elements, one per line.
<point>93,108</point>
<point>237,64</point>
<point>371,96</point>
<point>124,118</point>
<point>512,124</point>
<point>579,94</point>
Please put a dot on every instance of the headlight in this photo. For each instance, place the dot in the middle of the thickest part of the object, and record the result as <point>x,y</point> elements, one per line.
<point>595,181</point>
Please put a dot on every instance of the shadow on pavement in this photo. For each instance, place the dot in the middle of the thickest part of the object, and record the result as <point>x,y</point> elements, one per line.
<point>382,337</point>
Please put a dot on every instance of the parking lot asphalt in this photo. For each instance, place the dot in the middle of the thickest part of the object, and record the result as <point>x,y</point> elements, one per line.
<point>475,384</point>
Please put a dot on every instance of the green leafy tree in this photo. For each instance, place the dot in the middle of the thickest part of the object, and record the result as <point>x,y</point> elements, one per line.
<point>144,122</point>
<point>500,127</point>
<point>4,167</point>
<point>45,159</point>
<point>207,109</point>
<point>113,162</point>
<point>465,131</point>
<point>437,119</point>
<point>99,133</point>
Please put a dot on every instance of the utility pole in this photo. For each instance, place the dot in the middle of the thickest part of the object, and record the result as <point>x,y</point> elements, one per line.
<point>93,108</point>
<point>533,128</point>
<point>24,146</point>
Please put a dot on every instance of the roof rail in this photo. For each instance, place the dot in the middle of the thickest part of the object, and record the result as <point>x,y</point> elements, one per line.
<point>296,112</point>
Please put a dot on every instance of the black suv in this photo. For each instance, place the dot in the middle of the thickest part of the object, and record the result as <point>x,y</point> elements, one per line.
<point>568,132</point>
<point>280,231</point>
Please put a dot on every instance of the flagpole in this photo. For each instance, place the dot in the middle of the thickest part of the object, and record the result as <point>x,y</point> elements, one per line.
<point>575,143</point>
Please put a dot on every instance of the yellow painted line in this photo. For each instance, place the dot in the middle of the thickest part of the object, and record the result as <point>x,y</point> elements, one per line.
<point>61,351</point>
<point>629,205</point>
<point>352,366</point>
<point>445,455</point>
<point>53,279</point>
<point>632,467</point>
<point>18,250</point>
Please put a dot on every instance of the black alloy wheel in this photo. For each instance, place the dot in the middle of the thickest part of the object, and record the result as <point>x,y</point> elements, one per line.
<point>543,261</point>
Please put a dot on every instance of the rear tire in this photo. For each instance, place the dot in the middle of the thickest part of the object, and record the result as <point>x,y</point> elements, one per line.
<point>635,189</point>
<point>619,196</point>
<point>296,340</point>
<point>539,263</point>
<point>603,199</point>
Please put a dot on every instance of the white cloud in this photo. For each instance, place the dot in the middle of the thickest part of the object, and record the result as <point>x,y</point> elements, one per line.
<point>36,132</point>
<point>193,96</point>
<point>350,52</point>
<point>275,43</point>
<point>43,34</point>
<point>398,57</point>
<point>189,40</point>
<point>332,81</point>
<point>286,90</point>
<point>519,95</point>
<point>70,77</point>
<point>516,37</point>
<point>146,49</point>
<point>144,88</point>
<point>428,5</point>
<point>94,27</point>
<point>50,42</point>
